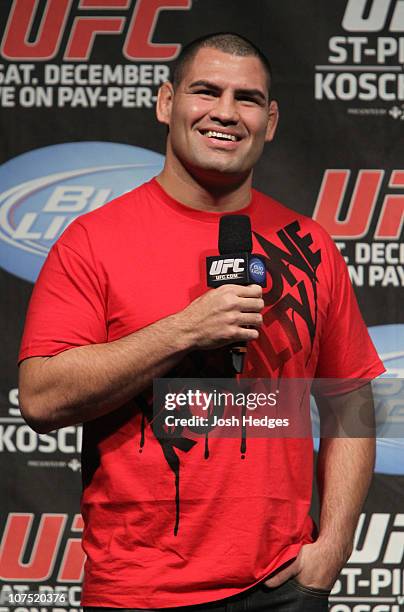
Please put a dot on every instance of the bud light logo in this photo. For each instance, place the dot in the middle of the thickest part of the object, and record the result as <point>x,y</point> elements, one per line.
<point>44,190</point>
<point>257,270</point>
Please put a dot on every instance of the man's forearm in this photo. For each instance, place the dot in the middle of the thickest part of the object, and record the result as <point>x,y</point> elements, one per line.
<point>86,382</point>
<point>344,473</point>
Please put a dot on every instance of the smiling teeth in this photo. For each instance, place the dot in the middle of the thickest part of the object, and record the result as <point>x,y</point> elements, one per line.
<point>212,134</point>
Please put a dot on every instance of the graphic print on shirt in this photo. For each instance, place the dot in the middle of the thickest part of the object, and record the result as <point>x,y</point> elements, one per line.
<point>292,292</point>
<point>282,305</point>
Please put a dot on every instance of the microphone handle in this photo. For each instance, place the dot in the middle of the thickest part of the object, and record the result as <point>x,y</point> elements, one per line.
<point>238,352</point>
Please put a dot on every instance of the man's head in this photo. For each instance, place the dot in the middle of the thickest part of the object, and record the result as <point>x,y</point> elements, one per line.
<point>217,109</point>
<point>227,42</point>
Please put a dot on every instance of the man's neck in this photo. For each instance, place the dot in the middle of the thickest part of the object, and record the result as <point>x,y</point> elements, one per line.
<point>204,194</point>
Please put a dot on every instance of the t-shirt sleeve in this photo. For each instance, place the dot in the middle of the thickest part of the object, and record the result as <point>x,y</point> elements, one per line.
<point>346,349</point>
<point>67,306</point>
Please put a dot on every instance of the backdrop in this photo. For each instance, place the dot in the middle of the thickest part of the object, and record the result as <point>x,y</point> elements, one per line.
<point>78,81</point>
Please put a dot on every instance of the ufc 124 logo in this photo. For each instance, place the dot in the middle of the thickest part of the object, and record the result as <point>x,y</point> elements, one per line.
<point>55,14</point>
<point>359,17</point>
<point>362,204</point>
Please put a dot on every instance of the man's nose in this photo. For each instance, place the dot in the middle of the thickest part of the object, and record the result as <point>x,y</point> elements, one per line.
<point>225,109</point>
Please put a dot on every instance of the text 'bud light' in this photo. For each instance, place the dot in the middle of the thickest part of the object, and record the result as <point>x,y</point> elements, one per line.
<point>257,270</point>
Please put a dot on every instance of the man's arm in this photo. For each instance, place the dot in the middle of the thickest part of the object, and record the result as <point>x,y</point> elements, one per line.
<point>344,472</point>
<point>86,382</point>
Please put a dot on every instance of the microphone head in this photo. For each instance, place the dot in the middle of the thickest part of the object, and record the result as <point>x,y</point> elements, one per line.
<point>235,234</point>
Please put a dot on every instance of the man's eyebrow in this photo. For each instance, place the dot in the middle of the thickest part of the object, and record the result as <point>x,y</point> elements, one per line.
<point>203,83</point>
<point>257,93</point>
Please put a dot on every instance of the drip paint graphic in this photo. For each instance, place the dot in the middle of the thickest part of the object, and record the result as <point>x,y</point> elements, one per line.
<point>281,307</point>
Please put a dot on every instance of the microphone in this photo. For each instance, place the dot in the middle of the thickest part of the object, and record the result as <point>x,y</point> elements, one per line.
<point>236,264</point>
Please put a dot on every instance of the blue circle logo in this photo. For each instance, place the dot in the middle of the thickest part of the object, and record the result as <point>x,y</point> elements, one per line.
<point>257,269</point>
<point>43,190</point>
<point>388,392</point>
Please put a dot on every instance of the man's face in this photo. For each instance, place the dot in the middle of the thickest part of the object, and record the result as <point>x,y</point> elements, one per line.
<point>219,116</point>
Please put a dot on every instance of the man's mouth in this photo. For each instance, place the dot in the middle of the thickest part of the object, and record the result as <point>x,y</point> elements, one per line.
<point>219,135</point>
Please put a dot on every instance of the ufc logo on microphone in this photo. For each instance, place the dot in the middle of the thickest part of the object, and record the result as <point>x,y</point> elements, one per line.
<point>223,266</point>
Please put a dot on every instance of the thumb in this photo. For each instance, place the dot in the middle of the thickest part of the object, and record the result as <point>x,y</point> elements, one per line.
<point>282,576</point>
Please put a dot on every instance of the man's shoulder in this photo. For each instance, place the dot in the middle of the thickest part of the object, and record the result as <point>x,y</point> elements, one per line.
<point>110,218</point>
<point>270,209</point>
<point>275,219</point>
<point>120,207</point>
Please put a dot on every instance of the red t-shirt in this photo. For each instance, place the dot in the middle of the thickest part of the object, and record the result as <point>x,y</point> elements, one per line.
<point>170,524</point>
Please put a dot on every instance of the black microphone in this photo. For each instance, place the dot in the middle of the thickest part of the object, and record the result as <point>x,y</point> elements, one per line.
<point>236,265</point>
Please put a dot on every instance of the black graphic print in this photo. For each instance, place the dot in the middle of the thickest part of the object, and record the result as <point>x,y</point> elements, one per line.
<point>283,306</point>
<point>290,267</point>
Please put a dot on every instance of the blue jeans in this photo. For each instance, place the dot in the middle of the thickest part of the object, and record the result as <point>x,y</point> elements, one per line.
<point>291,596</point>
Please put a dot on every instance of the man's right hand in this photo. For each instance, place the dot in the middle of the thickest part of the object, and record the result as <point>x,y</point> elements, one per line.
<point>228,314</point>
<point>85,382</point>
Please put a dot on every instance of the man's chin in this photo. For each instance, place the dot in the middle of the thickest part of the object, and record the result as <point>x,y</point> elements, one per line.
<point>219,172</point>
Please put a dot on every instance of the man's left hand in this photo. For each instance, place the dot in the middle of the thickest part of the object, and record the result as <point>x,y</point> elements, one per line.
<point>317,566</point>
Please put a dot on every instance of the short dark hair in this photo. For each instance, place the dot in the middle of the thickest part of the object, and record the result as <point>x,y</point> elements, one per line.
<point>228,42</point>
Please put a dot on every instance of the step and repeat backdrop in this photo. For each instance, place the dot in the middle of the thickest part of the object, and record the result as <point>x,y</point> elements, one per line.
<point>78,84</point>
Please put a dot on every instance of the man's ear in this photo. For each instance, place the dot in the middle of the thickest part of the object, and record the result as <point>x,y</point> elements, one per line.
<point>164,102</point>
<point>273,114</point>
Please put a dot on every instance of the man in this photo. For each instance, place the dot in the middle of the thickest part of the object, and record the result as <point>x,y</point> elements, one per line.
<point>177,522</point>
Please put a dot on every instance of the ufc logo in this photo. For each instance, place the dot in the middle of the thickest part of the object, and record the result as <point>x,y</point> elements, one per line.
<point>223,266</point>
<point>355,21</point>
<point>45,548</point>
<point>362,204</point>
<point>138,45</point>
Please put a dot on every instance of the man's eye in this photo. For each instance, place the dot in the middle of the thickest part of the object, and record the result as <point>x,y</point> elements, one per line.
<point>206,92</point>
<point>247,99</point>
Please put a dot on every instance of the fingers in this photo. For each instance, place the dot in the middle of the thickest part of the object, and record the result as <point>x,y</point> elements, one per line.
<point>251,304</point>
<point>282,576</point>
<point>243,299</point>
<point>225,315</point>
<point>254,319</point>
<point>249,291</point>
<point>245,334</point>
